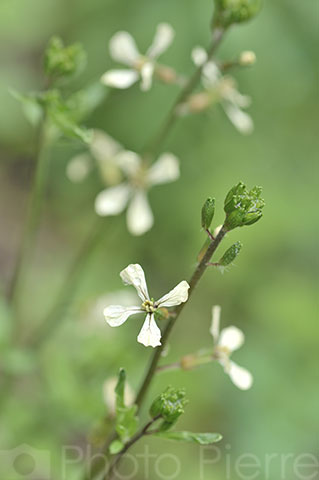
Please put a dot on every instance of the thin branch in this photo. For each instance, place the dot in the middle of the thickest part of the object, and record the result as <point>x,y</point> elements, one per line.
<point>33,216</point>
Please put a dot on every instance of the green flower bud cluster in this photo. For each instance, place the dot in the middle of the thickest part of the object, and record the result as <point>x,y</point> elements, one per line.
<point>230,254</point>
<point>61,61</point>
<point>169,405</point>
<point>208,212</point>
<point>243,207</point>
<point>235,11</point>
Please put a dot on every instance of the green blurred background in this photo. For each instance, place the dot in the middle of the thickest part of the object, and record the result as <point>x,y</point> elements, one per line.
<point>55,399</point>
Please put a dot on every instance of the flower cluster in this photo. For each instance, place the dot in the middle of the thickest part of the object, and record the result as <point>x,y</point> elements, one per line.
<point>150,334</point>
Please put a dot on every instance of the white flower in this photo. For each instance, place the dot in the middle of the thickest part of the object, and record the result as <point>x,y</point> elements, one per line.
<point>109,395</point>
<point>226,342</point>
<point>133,192</point>
<point>104,149</point>
<point>150,334</point>
<point>123,49</point>
<point>224,89</point>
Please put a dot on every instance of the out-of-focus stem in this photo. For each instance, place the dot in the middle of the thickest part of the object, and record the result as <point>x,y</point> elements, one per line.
<point>69,286</point>
<point>153,146</point>
<point>32,218</point>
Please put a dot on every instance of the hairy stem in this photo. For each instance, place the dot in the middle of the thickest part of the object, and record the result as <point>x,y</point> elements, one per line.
<point>33,216</point>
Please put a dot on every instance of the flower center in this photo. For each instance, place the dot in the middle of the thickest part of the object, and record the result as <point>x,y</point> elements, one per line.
<point>149,306</point>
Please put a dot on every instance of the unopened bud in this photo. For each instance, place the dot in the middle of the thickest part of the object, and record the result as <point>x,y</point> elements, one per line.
<point>235,11</point>
<point>208,212</point>
<point>230,254</point>
<point>247,58</point>
<point>61,60</point>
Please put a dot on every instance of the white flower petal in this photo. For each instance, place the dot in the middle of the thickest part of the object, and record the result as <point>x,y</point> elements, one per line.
<point>103,147</point>
<point>231,338</point>
<point>178,295</point>
<point>78,167</point>
<point>241,120</point>
<point>240,377</point>
<point>123,48</point>
<point>214,329</point>
<point>211,75</point>
<point>120,78</point>
<point>128,161</point>
<point>165,170</point>
<point>139,214</point>
<point>150,334</point>
<point>134,275</point>
<point>112,201</point>
<point>147,72</point>
<point>199,56</point>
<point>116,315</point>
<point>162,40</point>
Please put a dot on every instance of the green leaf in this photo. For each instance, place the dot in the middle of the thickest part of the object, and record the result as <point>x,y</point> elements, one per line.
<point>116,446</point>
<point>201,438</point>
<point>30,105</point>
<point>126,419</point>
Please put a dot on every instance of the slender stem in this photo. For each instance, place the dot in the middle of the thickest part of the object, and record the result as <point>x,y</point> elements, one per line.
<point>198,273</point>
<point>33,215</point>
<point>144,431</point>
<point>155,143</point>
<point>70,284</point>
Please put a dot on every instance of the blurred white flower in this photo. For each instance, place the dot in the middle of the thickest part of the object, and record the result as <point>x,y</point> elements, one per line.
<point>109,395</point>
<point>150,334</point>
<point>226,342</point>
<point>103,149</point>
<point>123,49</point>
<point>133,192</point>
<point>219,89</point>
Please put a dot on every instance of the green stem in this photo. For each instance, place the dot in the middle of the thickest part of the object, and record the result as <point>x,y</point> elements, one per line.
<point>70,284</point>
<point>33,216</point>
<point>197,275</point>
<point>143,432</point>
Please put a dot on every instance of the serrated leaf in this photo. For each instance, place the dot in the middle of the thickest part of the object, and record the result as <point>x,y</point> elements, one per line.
<point>116,446</point>
<point>200,438</point>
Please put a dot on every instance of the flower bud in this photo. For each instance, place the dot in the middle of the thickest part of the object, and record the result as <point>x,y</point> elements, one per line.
<point>247,58</point>
<point>243,207</point>
<point>61,61</point>
<point>235,11</point>
<point>169,405</point>
<point>208,212</point>
<point>230,254</point>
